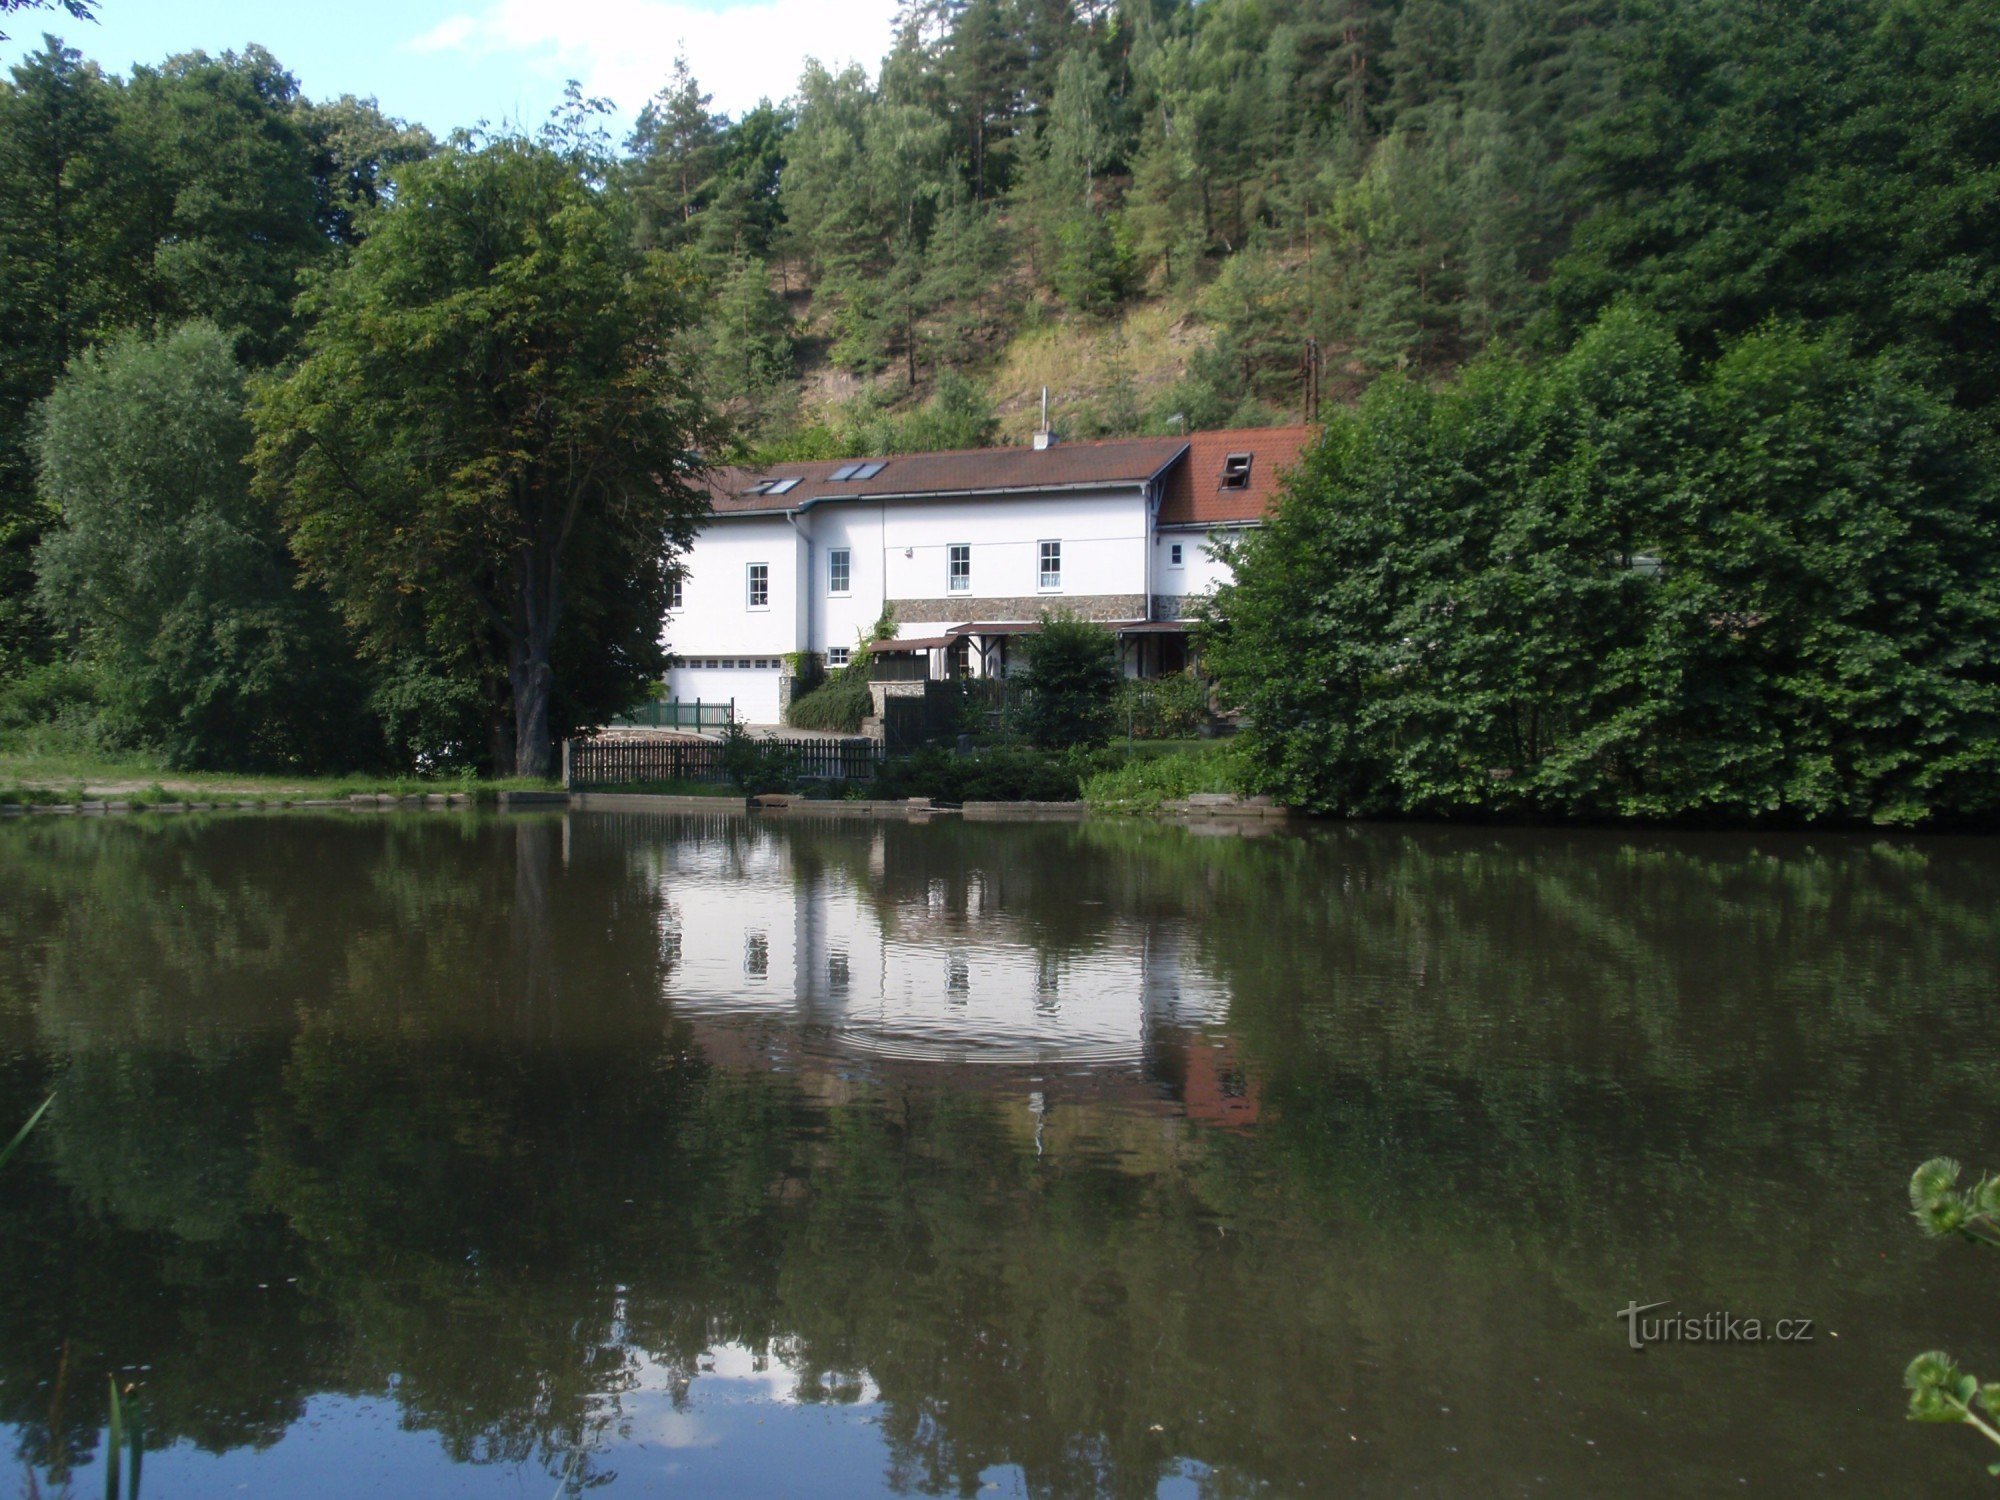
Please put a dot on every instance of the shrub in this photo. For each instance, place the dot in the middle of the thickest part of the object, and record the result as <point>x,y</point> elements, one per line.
<point>1067,691</point>
<point>842,701</point>
<point>837,705</point>
<point>1003,773</point>
<point>754,766</point>
<point>1161,708</point>
<point>1141,785</point>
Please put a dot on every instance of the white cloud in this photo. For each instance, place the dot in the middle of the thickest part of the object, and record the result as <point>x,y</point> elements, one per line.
<point>623,50</point>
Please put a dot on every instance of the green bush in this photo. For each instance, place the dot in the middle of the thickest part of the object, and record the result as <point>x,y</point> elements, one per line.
<point>1161,708</point>
<point>842,701</point>
<point>1609,586</point>
<point>1067,691</point>
<point>837,705</point>
<point>1142,784</point>
<point>755,766</point>
<point>1002,773</point>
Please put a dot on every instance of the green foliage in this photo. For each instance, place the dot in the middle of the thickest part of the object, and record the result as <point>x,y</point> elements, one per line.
<point>1881,224</point>
<point>55,692</point>
<point>488,449</point>
<point>842,700</point>
<point>754,766</point>
<point>837,705</point>
<point>1941,1392</point>
<point>1071,680</point>
<point>995,773</point>
<point>1160,708</point>
<point>1142,783</point>
<point>1942,1208</point>
<point>1608,587</point>
<point>174,581</point>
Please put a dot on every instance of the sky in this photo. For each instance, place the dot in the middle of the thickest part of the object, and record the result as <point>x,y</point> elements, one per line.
<point>445,63</point>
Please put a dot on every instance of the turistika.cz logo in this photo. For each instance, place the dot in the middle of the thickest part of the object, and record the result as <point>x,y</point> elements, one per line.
<point>1707,1328</point>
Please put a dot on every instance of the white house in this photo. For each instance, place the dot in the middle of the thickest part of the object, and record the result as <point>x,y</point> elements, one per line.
<point>965,551</point>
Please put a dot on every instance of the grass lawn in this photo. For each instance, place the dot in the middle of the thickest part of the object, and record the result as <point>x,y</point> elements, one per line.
<point>32,773</point>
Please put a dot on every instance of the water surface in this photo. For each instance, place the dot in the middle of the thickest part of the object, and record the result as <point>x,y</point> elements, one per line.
<point>450,1154</point>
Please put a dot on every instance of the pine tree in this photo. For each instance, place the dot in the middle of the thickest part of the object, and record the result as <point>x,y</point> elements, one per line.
<point>676,149</point>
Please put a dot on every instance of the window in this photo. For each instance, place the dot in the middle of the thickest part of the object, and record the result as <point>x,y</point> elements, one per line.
<point>857,471</point>
<point>760,585</point>
<point>1174,555</point>
<point>782,486</point>
<point>958,567</point>
<point>838,570</point>
<point>845,471</point>
<point>837,656</point>
<point>1236,471</point>
<point>1051,565</point>
<point>756,955</point>
<point>674,594</point>
<point>869,471</point>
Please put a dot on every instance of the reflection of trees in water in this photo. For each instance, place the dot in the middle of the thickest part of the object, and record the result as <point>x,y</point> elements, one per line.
<point>431,1078</point>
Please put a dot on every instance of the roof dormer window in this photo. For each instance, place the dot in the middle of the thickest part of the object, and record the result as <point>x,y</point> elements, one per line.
<point>1236,471</point>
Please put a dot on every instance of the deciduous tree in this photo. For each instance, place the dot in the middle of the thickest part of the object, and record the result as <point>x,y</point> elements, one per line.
<point>494,434</point>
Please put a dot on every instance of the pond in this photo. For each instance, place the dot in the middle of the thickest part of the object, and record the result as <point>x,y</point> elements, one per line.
<point>456,1154</point>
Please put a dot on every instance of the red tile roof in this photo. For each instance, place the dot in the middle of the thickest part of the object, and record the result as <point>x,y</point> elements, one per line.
<point>1195,495</point>
<point>1193,490</point>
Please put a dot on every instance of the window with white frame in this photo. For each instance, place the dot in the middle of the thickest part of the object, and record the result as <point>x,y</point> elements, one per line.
<point>837,656</point>
<point>839,567</point>
<point>958,567</point>
<point>1174,555</point>
<point>1051,573</point>
<point>760,585</point>
<point>674,594</point>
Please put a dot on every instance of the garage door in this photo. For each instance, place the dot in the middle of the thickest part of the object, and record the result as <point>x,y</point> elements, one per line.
<point>754,686</point>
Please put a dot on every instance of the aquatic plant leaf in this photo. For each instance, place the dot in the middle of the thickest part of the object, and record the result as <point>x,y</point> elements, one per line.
<point>22,1134</point>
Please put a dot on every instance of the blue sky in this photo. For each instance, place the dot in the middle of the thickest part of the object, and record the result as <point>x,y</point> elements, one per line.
<point>455,62</point>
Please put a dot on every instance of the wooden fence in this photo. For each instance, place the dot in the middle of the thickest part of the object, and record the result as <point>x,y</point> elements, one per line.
<point>671,713</point>
<point>629,764</point>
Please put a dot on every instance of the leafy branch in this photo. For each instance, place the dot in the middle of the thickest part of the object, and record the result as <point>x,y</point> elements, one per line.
<point>1942,1208</point>
<point>1939,1390</point>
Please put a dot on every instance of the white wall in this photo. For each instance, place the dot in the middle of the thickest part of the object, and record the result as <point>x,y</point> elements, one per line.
<point>1199,570</point>
<point>716,623</point>
<point>1103,538</point>
<point>715,618</point>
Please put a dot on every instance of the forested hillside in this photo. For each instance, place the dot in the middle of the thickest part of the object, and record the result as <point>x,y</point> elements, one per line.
<point>1205,213</point>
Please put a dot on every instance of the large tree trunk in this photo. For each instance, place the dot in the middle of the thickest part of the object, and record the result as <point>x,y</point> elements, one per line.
<point>531,677</point>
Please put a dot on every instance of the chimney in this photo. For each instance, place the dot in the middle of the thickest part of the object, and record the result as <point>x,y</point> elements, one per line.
<point>1043,437</point>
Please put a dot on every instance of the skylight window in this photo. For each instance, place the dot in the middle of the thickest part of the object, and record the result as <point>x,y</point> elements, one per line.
<point>869,471</point>
<point>1236,471</point>
<point>781,486</point>
<point>845,471</point>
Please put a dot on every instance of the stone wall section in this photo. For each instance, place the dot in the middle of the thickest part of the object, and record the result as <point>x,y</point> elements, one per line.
<point>964,609</point>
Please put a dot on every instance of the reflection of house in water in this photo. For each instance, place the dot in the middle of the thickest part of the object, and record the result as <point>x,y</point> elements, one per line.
<point>840,948</point>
